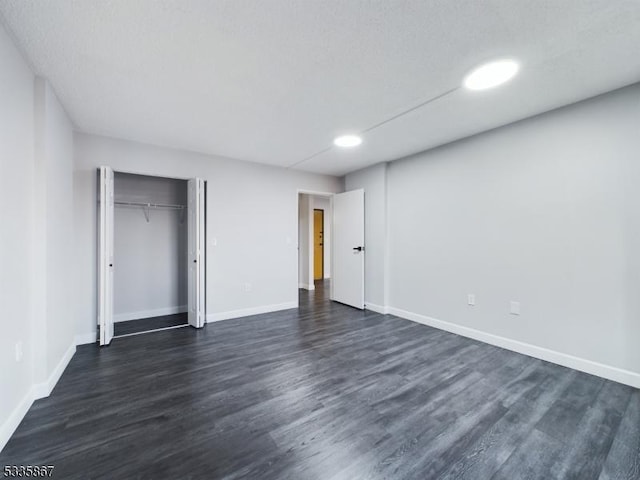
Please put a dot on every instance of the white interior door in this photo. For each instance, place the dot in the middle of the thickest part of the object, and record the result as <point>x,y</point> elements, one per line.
<point>196,241</point>
<point>105,279</point>
<point>348,248</point>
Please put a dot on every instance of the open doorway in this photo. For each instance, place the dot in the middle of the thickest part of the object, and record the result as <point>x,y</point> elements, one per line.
<point>331,245</point>
<point>314,241</point>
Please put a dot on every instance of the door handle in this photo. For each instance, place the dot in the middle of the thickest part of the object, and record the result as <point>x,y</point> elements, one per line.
<point>359,249</point>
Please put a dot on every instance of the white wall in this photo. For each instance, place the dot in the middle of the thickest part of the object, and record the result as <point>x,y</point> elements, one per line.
<point>324,203</point>
<point>545,212</point>
<point>54,212</point>
<point>35,238</point>
<point>374,182</point>
<point>16,196</point>
<point>251,216</point>
<point>150,258</point>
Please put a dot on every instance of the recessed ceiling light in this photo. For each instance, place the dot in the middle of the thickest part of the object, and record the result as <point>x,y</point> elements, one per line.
<point>347,141</point>
<point>491,74</point>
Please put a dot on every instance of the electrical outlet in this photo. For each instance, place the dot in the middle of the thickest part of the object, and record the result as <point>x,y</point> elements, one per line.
<point>19,352</point>
<point>246,287</point>
<point>471,299</point>
<point>514,308</point>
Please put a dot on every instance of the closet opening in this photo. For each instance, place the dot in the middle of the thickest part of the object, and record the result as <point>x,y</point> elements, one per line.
<point>151,254</point>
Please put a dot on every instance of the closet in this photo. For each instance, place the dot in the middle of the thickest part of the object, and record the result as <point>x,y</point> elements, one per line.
<point>151,253</point>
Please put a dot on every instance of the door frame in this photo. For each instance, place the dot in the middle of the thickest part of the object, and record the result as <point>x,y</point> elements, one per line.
<point>156,175</point>
<point>328,195</point>
<point>147,173</point>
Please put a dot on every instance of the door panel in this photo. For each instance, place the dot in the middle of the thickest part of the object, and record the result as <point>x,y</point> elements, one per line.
<point>105,263</point>
<point>196,246</point>
<point>318,244</point>
<point>347,271</point>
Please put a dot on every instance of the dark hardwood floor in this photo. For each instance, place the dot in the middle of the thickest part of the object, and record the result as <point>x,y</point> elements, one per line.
<point>326,392</point>
<point>148,324</point>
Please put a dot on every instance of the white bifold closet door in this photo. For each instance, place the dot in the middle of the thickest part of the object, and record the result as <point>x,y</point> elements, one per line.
<point>196,242</point>
<point>105,264</point>
<point>347,271</point>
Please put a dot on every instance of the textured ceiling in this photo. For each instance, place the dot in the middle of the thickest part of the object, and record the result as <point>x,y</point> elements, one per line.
<point>274,81</point>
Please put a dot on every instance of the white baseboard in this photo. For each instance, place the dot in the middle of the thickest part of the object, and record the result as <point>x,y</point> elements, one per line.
<point>85,338</point>
<point>10,425</point>
<point>588,366</point>
<point>245,312</point>
<point>306,286</point>
<point>39,390</point>
<point>44,389</point>
<point>383,309</point>
<point>158,312</point>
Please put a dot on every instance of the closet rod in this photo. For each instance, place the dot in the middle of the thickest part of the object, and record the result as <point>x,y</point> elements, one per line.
<point>148,206</point>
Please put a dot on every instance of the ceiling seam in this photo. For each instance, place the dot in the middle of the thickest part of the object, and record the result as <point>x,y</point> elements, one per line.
<point>383,122</point>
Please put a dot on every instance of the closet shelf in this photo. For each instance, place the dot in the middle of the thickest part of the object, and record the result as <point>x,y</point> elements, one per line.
<point>149,206</point>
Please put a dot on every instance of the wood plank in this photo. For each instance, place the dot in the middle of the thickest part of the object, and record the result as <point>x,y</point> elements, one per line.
<point>326,391</point>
